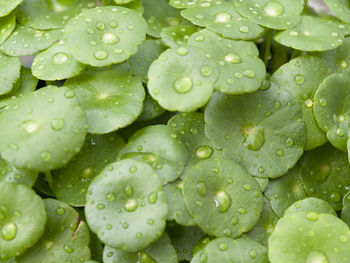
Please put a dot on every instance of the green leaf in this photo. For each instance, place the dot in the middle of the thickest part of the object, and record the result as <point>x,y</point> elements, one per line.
<point>7,25</point>
<point>56,63</point>
<point>324,172</point>
<point>159,15</point>
<point>111,99</point>
<point>223,19</point>
<point>240,69</point>
<point>129,199</point>
<point>341,8</point>
<point>6,6</point>
<point>71,182</point>
<point>189,3</point>
<point>310,204</point>
<point>25,41</point>
<point>161,251</point>
<point>309,237</point>
<point>10,68</point>
<point>312,34</point>
<point>66,237</point>
<point>148,52</point>
<point>345,213</point>
<point>106,35</point>
<point>284,191</point>
<point>12,174</point>
<point>241,250</point>
<point>22,219</point>
<point>302,77</point>
<point>151,110</point>
<point>262,131</point>
<point>177,207</point>
<point>222,197</point>
<point>275,14</point>
<point>332,108</point>
<point>50,14</point>
<point>158,147</point>
<point>177,36</point>
<point>182,79</point>
<point>50,116</point>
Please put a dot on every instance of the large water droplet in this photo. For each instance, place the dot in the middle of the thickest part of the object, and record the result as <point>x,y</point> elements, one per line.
<point>130,205</point>
<point>316,257</point>
<point>9,231</point>
<point>222,201</point>
<point>254,137</point>
<point>182,51</point>
<point>312,216</point>
<point>273,8</point>
<point>204,152</point>
<point>222,17</point>
<point>59,58</point>
<point>57,124</point>
<point>183,85</point>
<point>29,126</point>
<point>222,246</point>
<point>100,54</point>
<point>233,58</point>
<point>110,38</point>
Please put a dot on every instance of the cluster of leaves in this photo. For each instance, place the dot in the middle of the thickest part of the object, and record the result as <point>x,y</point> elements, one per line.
<point>174,131</point>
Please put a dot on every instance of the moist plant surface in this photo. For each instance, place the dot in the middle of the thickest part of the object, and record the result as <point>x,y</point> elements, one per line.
<point>174,131</point>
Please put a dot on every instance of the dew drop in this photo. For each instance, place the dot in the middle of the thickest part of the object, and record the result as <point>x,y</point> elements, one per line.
<point>110,38</point>
<point>280,153</point>
<point>29,126</point>
<point>183,85</point>
<point>312,216</point>
<point>100,206</point>
<point>244,29</point>
<point>182,51</point>
<point>45,156</point>
<point>204,152</point>
<point>57,124</point>
<point>110,196</point>
<point>100,26</point>
<point>128,190</point>
<point>69,94</point>
<point>133,169</point>
<point>131,205</point>
<point>9,231</point>
<point>222,17</point>
<point>316,257</point>
<point>100,54</point>
<point>252,253</point>
<point>227,232</point>
<point>273,8</point>
<point>59,58</point>
<point>233,58</point>
<point>222,201</point>
<point>309,103</point>
<point>249,73</point>
<point>201,189</point>
<point>68,249</point>
<point>299,79</point>
<point>60,211</point>
<point>335,197</point>
<point>222,246</point>
<point>205,71</point>
<point>153,197</point>
<point>323,102</point>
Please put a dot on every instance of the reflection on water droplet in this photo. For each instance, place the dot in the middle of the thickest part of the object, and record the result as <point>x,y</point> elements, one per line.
<point>252,253</point>
<point>60,211</point>
<point>222,17</point>
<point>335,197</point>
<point>110,38</point>
<point>130,205</point>
<point>233,58</point>
<point>222,246</point>
<point>316,257</point>
<point>69,94</point>
<point>222,201</point>
<point>323,102</point>
<point>46,156</point>
<point>57,124</point>
<point>299,79</point>
<point>249,73</point>
<point>312,216</point>
<point>29,126</point>
<point>244,29</point>
<point>182,51</point>
<point>110,196</point>
<point>273,8</point>
<point>68,249</point>
<point>183,85</point>
<point>201,189</point>
<point>204,152</point>
<point>100,54</point>
<point>133,169</point>
<point>253,137</point>
<point>128,190</point>
<point>9,231</point>
<point>153,197</point>
<point>59,58</point>
<point>205,71</point>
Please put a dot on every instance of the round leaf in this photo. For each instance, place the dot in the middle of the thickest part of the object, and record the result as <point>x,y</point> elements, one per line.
<point>126,206</point>
<point>223,19</point>
<point>12,174</point>
<point>177,35</point>
<point>341,8</point>
<point>310,204</point>
<point>222,197</point>
<point>44,129</point>
<point>10,68</point>
<point>262,131</point>
<point>111,99</point>
<point>6,6</point>
<point>7,25</point>
<point>105,35</point>
<point>182,79</point>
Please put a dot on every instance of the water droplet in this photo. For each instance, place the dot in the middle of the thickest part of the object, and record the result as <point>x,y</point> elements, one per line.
<point>9,231</point>
<point>110,196</point>
<point>113,23</point>
<point>254,137</point>
<point>344,64</point>
<point>133,169</point>
<point>130,205</point>
<point>280,153</point>
<point>312,216</point>
<point>323,102</point>
<point>233,58</point>
<point>182,51</point>
<point>234,221</point>
<point>69,94</point>
<point>68,249</point>
<point>150,221</point>
<point>100,26</point>
<point>252,253</point>
<point>139,235</point>
<point>100,206</point>
<point>60,211</point>
<point>206,71</point>
<point>29,126</point>
<point>183,85</point>
<point>299,79</point>
<point>125,225</point>
<point>227,232</point>
<point>273,8</point>
<point>45,156</point>
<point>222,201</point>
<point>100,54</point>
<point>316,257</point>
<point>249,73</point>
<point>247,187</point>
<point>222,246</point>
<point>57,124</point>
<point>203,258</point>
<point>309,103</point>
<point>343,238</point>
<point>201,189</point>
<point>204,152</point>
<point>17,213</point>
<point>242,211</point>
<point>110,38</point>
<point>340,132</point>
<point>335,197</point>
<point>128,190</point>
<point>261,170</point>
<point>153,197</point>
<point>244,29</point>
<point>59,58</point>
<point>222,17</point>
